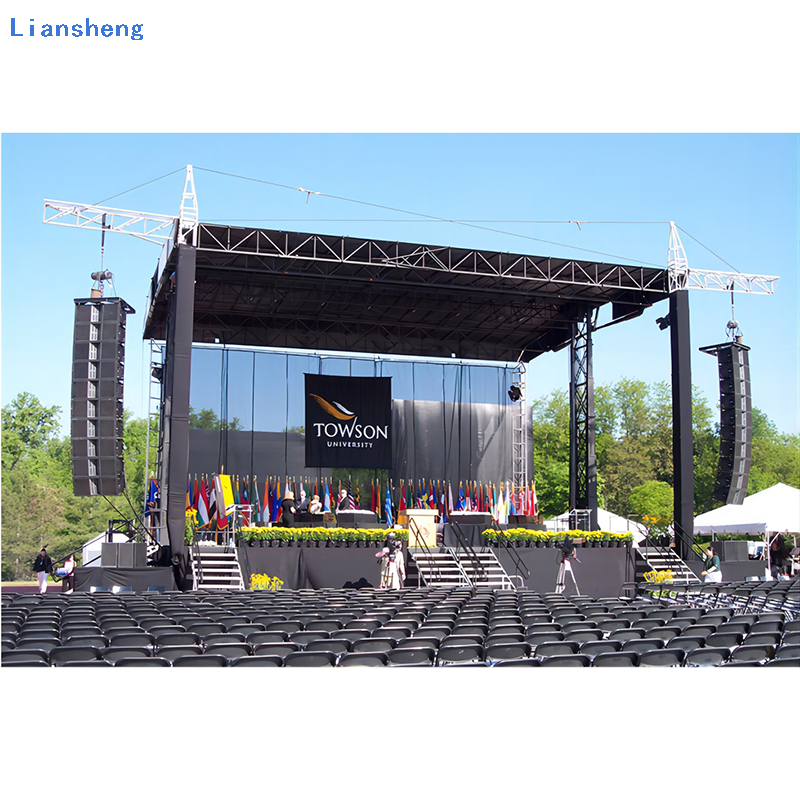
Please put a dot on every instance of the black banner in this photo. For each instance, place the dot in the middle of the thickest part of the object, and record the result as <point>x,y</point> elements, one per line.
<point>348,422</point>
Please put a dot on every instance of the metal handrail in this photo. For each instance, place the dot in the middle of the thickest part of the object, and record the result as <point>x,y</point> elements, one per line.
<point>471,554</point>
<point>514,557</point>
<point>413,528</point>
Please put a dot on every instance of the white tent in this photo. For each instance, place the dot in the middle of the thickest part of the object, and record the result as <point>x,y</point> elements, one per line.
<point>606,521</point>
<point>775,510</point>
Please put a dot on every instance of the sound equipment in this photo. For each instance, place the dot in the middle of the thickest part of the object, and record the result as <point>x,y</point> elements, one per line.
<point>736,425</point>
<point>735,550</point>
<point>123,554</point>
<point>98,370</point>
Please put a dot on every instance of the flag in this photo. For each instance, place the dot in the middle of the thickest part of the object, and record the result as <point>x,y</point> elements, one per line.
<point>373,506</point>
<point>212,501</point>
<point>450,497</point>
<point>224,492</point>
<point>276,501</point>
<point>256,501</point>
<point>326,504</point>
<point>461,501</point>
<point>189,494</point>
<point>534,501</point>
<point>202,504</point>
<point>403,505</point>
<point>153,497</point>
<point>388,507</point>
<point>246,507</point>
<point>432,502</point>
<point>511,506</point>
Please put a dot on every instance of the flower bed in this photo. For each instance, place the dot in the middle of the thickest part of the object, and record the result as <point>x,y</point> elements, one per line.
<point>522,537</point>
<point>318,537</point>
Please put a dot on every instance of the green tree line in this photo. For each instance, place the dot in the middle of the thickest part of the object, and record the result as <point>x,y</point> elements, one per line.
<point>39,508</point>
<point>634,450</point>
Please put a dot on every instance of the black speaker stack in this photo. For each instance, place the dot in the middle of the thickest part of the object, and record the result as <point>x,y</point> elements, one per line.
<point>98,370</point>
<point>735,422</point>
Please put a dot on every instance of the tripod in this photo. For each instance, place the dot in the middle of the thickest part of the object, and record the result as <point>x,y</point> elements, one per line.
<point>561,580</point>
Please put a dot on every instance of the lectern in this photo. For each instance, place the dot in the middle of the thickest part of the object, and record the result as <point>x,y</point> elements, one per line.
<point>425,527</point>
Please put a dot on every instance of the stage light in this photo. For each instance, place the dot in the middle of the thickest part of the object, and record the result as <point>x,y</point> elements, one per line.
<point>663,322</point>
<point>514,393</point>
<point>157,373</point>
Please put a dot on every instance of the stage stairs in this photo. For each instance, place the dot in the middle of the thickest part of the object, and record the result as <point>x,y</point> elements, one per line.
<point>215,567</point>
<point>450,566</point>
<point>661,559</point>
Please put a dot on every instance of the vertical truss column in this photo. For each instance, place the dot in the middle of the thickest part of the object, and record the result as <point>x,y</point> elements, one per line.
<point>520,432</point>
<point>582,458</point>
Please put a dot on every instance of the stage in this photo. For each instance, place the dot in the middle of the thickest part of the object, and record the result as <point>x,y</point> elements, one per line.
<point>600,572</point>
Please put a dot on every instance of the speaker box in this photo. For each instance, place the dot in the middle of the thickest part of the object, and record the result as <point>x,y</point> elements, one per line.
<point>731,551</point>
<point>109,554</point>
<point>733,468</point>
<point>133,554</point>
<point>98,368</point>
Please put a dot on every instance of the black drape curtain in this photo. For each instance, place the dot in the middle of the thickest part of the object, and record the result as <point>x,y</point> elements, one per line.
<point>449,421</point>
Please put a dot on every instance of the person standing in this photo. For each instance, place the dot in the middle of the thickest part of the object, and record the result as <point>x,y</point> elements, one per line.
<point>69,574</point>
<point>345,501</point>
<point>712,572</point>
<point>288,508</point>
<point>302,503</point>
<point>43,566</point>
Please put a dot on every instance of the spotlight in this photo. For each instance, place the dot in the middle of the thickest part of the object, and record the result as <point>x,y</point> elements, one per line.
<point>514,393</point>
<point>105,275</point>
<point>663,322</point>
<point>157,373</point>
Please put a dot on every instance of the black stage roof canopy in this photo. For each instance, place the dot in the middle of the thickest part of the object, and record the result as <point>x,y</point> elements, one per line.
<point>309,291</point>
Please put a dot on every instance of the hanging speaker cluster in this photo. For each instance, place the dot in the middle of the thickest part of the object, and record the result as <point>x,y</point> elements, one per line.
<point>736,424</point>
<point>98,371</point>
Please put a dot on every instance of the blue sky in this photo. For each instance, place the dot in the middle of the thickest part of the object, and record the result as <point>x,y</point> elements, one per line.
<point>734,193</point>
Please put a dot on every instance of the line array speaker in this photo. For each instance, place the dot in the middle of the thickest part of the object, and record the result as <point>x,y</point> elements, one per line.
<point>736,423</point>
<point>98,371</point>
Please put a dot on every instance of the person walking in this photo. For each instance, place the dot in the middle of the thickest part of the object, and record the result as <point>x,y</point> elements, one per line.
<point>43,566</point>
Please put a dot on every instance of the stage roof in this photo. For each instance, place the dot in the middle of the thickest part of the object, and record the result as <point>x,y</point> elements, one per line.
<point>302,290</point>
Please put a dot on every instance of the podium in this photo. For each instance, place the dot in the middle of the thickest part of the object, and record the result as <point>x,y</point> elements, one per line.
<point>426,522</point>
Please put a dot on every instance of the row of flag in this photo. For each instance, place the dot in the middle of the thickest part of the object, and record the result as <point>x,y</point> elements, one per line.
<point>213,498</point>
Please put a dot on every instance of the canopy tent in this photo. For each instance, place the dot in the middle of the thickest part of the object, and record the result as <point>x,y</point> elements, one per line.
<point>606,521</point>
<point>774,510</point>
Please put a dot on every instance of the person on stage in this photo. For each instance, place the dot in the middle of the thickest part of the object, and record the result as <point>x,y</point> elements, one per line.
<point>43,566</point>
<point>345,501</point>
<point>302,503</point>
<point>288,508</point>
<point>315,506</point>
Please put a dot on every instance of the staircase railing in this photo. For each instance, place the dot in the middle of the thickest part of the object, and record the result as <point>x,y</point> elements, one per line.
<point>506,542</point>
<point>477,566</point>
<point>197,566</point>
<point>420,543</point>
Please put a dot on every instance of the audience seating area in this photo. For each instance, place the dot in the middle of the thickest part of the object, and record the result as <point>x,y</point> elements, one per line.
<point>724,625</point>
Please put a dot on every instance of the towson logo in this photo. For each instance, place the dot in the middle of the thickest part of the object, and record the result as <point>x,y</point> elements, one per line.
<point>348,421</point>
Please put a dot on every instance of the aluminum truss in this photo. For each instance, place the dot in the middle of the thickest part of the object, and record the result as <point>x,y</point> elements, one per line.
<point>520,431</point>
<point>583,462</point>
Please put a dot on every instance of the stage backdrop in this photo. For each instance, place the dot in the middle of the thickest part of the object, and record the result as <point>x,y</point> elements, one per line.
<point>450,420</point>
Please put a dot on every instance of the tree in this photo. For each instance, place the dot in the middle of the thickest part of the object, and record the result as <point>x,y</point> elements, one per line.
<point>652,503</point>
<point>27,427</point>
